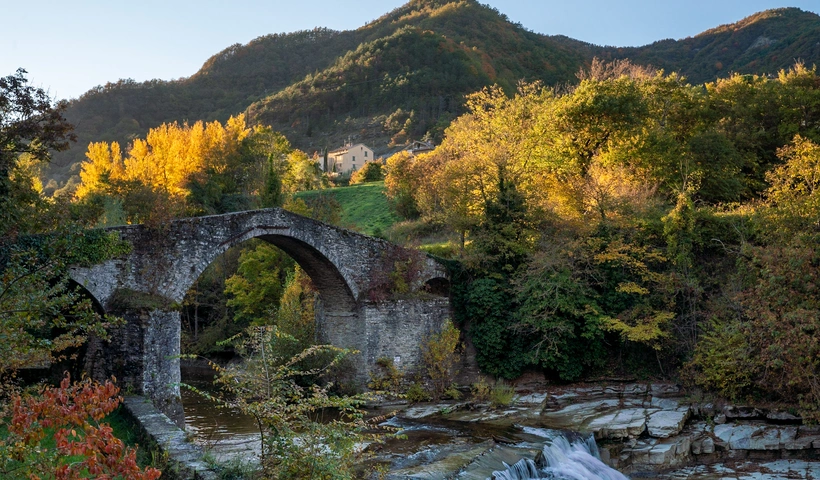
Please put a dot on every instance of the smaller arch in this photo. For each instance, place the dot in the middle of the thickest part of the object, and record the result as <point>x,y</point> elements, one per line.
<point>438,286</point>
<point>96,305</point>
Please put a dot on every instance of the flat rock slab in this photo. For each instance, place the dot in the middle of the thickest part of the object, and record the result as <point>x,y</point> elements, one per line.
<point>423,411</point>
<point>748,437</point>
<point>656,454</point>
<point>531,399</point>
<point>447,466</point>
<point>630,422</point>
<point>666,423</point>
<point>767,437</point>
<point>483,466</point>
<point>775,470</point>
<point>575,415</point>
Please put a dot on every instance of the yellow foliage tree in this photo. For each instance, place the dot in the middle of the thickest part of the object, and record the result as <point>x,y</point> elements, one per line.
<point>157,171</point>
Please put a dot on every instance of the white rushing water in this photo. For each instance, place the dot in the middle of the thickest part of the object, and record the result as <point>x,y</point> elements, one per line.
<point>562,460</point>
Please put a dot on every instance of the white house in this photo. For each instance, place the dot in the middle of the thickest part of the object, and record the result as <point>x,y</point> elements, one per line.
<point>349,158</point>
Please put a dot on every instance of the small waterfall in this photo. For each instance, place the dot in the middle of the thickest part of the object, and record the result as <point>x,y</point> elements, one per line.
<point>520,470</point>
<point>562,460</point>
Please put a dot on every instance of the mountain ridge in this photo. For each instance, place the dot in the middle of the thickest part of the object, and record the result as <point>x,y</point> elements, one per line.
<point>423,56</point>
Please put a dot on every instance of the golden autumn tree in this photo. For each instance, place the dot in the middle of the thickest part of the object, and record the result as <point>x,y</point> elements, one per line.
<point>179,170</point>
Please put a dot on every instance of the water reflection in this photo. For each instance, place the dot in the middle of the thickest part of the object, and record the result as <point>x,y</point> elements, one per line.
<point>209,421</point>
<point>226,433</point>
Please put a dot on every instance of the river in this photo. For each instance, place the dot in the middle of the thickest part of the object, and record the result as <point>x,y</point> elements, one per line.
<point>466,442</point>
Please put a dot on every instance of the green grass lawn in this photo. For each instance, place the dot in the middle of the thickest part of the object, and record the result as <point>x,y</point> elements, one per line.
<point>364,207</point>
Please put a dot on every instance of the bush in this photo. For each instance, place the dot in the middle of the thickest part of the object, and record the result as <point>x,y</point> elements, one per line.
<point>441,358</point>
<point>417,393</point>
<point>480,390</point>
<point>285,395</point>
<point>453,392</point>
<point>370,172</point>
<point>388,379</point>
<point>501,395</point>
<point>69,416</point>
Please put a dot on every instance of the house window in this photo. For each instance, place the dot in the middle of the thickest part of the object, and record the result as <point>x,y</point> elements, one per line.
<point>354,158</point>
<point>365,154</point>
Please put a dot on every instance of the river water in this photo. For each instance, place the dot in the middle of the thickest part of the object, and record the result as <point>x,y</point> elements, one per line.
<point>223,432</point>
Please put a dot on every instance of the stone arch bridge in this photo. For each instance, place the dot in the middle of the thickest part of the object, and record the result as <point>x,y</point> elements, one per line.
<point>146,287</point>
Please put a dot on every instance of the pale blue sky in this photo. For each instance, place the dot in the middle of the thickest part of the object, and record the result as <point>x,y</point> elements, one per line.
<point>70,46</point>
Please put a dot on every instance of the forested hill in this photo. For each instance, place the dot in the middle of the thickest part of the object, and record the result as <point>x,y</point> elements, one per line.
<point>405,74</point>
<point>765,42</point>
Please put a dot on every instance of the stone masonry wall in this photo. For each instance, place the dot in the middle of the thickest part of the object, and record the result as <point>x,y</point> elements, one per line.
<point>396,329</point>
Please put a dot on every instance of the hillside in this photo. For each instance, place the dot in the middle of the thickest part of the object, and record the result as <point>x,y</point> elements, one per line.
<point>405,75</point>
<point>413,75</point>
<point>766,42</point>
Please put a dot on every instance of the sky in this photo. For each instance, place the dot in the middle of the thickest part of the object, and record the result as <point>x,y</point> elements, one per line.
<point>71,46</point>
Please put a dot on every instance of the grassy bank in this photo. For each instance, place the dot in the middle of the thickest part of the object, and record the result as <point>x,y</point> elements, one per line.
<point>364,207</point>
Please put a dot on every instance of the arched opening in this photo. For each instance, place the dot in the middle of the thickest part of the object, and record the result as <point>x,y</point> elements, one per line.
<point>335,294</point>
<point>220,304</point>
<point>70,359</point>
<point>438,286</point>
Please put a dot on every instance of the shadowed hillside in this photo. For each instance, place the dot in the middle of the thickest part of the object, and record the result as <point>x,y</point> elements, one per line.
<point>765,42</point>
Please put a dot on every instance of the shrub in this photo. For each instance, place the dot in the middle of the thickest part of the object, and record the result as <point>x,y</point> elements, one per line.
<point>453,392</point>
<point>501,395</point>
<point>286,396</point>
<point>398,271</point>
<point>388,379</point>
<point>83,447</point>
<point>441,358</point>
<point>417,393</point>
<point>481,390</point>
<point>370,172</point>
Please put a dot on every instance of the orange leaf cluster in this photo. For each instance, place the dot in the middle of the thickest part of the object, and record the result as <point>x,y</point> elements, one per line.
<point>69,409</point>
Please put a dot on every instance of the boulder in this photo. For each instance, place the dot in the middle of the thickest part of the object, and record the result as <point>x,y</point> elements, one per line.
<point>664,403</point>
<point>664,389</point>
<point>745,413</point>
<point>707,446</point>
<point>662,454</point>
<point>752,437</point>
<point>666,423</point>
<point>531,399</point>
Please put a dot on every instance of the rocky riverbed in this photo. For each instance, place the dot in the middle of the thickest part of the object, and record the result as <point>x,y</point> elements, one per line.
<point>645,430</point>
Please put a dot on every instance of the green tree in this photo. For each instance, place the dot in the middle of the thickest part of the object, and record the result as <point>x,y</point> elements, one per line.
<point>256,288</point>
<point>558,309</point>
<point>400,184</point>
<point>42,317</point>
<point>31,126</point>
